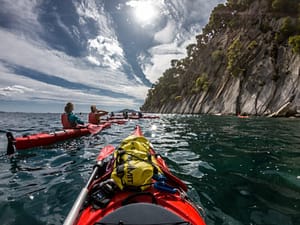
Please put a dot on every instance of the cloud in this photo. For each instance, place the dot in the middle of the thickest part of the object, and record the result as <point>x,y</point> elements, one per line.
<point>21,13</point>
<point>184,20</point>
<point>103,49</point>
<point>105,52</point>
<point>160,59</point>
<point>37,65</point>
<point>167,34</point>
<point>35,91</point>
<point>32,71</point>
<point>15,89</point>
<point>18,51</point>
<point>145,11</point>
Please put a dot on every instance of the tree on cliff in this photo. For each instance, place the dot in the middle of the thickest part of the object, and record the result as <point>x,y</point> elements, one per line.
<point>239,35</point>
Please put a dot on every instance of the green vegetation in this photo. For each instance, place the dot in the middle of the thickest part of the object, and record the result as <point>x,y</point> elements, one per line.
<point>286,6</point>
<point>244,22</point>
<point>166,87</point>
<point>234,57</point>
<point>174,62</point>
<point>201,83</point>
<point>239,5</point>
<point>278,5</point>
<point>191,49</point>
<point>265,27</point>
<point>253,44</point>
<point>218,19</point>
<point>294,42</point>
<point>178,98</point>
<point>217,55</point>
<point>289,27</point>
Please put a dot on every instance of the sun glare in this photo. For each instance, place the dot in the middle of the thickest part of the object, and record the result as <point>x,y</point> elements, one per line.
<point>145,12</point>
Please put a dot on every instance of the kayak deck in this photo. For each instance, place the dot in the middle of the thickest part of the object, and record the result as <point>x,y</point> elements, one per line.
<point>166,204</point>
<point>173,205</point>
<point>138,213</point>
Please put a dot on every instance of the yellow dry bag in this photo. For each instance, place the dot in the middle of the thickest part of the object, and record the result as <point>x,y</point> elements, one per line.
<point>134,165</point>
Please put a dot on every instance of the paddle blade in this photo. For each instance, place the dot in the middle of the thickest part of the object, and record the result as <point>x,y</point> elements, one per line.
<point>94,129</point>
<point>105,152</point>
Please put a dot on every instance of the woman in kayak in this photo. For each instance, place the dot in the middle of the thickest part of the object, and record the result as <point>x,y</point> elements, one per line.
<point>95,115</point>
<point>69,119</point>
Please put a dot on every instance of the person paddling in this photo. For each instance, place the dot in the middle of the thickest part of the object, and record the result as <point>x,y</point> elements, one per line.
<point>125,115</point>
<point>69,119</point>
<point>95,115</point>
<point>10,144</point>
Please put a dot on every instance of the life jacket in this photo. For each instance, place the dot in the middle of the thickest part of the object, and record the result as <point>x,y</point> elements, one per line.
<point>65,121</point>
<point>93,118</point>
<point>134,165</point>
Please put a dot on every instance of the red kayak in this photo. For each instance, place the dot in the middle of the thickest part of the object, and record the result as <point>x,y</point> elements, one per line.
<point>107,202</point>
<point>117,121</point>
<point>133,117</point>
<point>143,117</point>
<point>242,116</point>
<point>44,139</point>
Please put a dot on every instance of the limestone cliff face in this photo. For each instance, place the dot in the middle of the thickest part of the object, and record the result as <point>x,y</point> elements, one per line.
<point>242,63</point>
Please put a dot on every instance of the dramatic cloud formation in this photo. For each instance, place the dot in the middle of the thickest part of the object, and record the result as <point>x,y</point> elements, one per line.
<point>91,52</point>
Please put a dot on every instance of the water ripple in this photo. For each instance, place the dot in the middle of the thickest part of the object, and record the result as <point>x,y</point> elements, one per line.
<point>242,171</point>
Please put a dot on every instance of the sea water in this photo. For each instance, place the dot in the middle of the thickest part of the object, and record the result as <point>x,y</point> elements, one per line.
<point>241,171</point>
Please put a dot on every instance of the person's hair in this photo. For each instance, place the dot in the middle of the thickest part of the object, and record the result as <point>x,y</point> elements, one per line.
<point>69,107</point>
<point>93,109</point>
<point>9,135</point>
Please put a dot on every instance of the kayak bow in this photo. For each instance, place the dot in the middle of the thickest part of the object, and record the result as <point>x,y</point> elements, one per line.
<point>102,202</point>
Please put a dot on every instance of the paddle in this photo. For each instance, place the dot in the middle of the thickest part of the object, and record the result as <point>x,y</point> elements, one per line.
<point>73,214</point>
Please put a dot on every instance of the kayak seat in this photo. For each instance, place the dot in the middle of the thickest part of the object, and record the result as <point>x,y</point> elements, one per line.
<point>142,214</point>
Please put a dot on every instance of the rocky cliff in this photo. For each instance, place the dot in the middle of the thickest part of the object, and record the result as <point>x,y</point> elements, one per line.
<point>247,60</point>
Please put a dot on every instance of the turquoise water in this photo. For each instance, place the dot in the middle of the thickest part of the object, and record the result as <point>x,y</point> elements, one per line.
<point>243,171</point>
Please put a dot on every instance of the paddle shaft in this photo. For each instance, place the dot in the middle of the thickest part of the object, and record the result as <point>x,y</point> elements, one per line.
<point>73,214</point>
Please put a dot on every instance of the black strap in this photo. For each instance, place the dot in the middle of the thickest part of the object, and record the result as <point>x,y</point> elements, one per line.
<point>130,198</point>
<point>121,152</point>
<point>122,223</point>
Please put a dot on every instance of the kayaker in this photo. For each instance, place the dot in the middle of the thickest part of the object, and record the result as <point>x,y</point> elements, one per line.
<point>125,115</point>
<point>10,144</point>
<point>243,115</point>
<point>140,114</point>
<point>69,119</point>
<point>95,115</point>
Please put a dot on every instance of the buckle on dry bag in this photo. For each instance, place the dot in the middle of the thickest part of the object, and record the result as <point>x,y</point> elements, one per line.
<point>103,194</point>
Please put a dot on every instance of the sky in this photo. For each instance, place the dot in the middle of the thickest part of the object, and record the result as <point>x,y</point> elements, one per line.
<point>102,52</point>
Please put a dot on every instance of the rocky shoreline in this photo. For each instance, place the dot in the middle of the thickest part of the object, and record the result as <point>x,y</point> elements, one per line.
<point>240,64</point>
